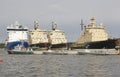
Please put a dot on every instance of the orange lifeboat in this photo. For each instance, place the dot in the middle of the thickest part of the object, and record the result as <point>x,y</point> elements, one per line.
<point>1,60</point>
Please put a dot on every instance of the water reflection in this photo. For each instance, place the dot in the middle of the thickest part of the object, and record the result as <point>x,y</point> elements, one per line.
<point>95,67</point>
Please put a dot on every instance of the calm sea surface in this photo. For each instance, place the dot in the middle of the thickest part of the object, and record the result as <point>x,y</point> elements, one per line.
<point>59,65</point>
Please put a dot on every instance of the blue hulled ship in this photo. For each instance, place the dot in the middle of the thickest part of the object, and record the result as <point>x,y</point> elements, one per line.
<point>17,36</point>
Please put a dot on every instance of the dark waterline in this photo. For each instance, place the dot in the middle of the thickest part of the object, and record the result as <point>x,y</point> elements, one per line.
<point>59,65</point>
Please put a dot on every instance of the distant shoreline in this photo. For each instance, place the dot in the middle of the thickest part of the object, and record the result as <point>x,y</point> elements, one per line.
<point>2,45</point>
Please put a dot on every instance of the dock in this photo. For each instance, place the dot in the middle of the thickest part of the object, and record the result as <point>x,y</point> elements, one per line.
<point>79,52</point>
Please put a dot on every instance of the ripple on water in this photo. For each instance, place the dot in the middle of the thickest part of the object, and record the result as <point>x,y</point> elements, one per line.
<point>59,66</point>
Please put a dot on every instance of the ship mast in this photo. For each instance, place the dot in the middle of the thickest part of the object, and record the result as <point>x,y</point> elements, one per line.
<point>92,22</point>
<point>81,24</point>
<point>36,25</point>
<point>54,26</point>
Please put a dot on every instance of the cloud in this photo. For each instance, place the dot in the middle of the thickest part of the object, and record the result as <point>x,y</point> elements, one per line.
<point>67,13</point>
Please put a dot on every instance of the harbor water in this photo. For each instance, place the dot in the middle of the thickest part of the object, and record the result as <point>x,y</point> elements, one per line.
<point>59,65</point>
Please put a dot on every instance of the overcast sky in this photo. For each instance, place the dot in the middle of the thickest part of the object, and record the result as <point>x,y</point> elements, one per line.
<point>67,14</point>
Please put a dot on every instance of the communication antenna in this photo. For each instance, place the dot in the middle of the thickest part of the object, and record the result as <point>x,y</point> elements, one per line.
<point>81,24</point>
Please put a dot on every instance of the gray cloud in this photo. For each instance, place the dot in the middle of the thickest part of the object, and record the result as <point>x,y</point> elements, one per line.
<point>67,13</point>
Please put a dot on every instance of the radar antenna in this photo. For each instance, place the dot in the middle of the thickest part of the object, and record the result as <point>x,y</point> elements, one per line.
<point>81,24</point>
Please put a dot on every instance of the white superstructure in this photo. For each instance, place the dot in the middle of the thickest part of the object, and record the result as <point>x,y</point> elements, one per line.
<point>56,36</point>
<point>93,33</point>
<point>37,36</point>
<point>17,33</point>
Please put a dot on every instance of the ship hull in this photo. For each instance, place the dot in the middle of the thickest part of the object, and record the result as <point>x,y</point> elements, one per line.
<point>19,52</point>
<point>40,45</point>
<point>11,45</point>
<point>47,46</point>
<point>58,46</point>
<point>107,44</point>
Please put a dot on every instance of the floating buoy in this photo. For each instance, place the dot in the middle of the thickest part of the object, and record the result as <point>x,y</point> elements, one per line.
<point>1,60</point>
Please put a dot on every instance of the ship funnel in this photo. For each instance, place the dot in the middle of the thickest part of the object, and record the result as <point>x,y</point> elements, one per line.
<point>36,25</point>
<point>54,25</point>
